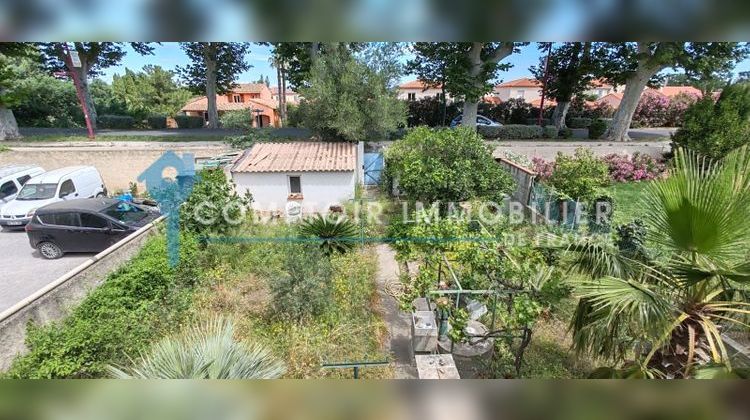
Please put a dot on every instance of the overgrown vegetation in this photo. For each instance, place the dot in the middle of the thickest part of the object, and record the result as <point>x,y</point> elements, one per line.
<point>143,300</point>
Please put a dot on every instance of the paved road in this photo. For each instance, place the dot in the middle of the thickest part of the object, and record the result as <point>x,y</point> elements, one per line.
<point>23,271</point>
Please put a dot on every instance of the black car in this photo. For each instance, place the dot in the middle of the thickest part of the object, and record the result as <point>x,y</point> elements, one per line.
<point>85,225</point>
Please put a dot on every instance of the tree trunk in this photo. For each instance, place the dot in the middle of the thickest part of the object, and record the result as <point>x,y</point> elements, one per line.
<point>280,92</point>
<point>635,84</point>
<point>87,99</point>
<point>469,118</point>
<point>558,116</point>
<point>283,91</point>
<point>213,113</point>
<point>8,126</point>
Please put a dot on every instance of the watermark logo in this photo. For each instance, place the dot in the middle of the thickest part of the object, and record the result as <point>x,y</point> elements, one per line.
<point>169,181</point>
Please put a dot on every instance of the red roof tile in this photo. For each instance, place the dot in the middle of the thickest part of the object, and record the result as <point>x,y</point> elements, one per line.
<point>671,91</point>
<point>249,88</point>
<point>298,157</point>
<point>223,104</point>
<point>523,82</point>
<point>417,84</point>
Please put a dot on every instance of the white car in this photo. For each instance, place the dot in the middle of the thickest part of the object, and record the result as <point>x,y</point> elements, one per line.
<point>50,187</point>
<point>12,179</point>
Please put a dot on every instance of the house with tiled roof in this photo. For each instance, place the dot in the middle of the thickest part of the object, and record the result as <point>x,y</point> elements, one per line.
<point>415,90</point>
<point>254,98</point>
<point>299,177</point>
<point>530,90</point>
<point>292,97</point>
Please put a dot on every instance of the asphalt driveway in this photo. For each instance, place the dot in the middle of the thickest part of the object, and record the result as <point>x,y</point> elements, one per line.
<point>23,271</point>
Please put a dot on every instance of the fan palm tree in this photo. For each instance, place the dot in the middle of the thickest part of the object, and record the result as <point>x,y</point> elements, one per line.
<point>337,235</point>
<point>207,351</point>
<point>665,317</point>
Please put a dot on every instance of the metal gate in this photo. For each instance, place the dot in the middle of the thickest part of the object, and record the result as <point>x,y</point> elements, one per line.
<point>373,168</point>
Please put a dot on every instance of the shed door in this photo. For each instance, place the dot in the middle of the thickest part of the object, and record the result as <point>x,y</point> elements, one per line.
<point>373,168</point>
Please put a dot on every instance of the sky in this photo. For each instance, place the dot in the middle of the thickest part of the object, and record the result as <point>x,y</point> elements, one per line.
<point>169,55</point>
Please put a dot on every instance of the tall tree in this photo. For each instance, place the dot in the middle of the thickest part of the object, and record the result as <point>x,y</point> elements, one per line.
<point>467,68</point>
<point>94,57</point>
<point>152,91</point>
<point>569,71</point>
<point>9,87</point>
<point>299,57</point>
<point>348,100</point>
<point>213,70</point>
<point>637,64</point>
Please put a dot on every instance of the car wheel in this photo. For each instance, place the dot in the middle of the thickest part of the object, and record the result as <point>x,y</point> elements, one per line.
<point>50,250</point>
<point>101,195</point>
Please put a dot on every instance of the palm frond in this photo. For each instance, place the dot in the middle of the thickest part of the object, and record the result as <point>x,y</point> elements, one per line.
<point>205,351</point>
<point>335,234</point>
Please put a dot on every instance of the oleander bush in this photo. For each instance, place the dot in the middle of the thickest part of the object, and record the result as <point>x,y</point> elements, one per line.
<point>638,167</point>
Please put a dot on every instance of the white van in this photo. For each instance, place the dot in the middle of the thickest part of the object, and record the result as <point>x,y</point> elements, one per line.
<point>50,187</point>
<point>12,178</point>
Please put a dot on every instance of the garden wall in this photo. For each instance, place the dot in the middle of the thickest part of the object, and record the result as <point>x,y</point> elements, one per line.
<point>524,178</point>
<point>53,302</point>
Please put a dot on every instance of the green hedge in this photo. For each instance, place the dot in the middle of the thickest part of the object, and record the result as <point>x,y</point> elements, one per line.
<point>115,121</point>
<point>511,131</point>
<point>187,121</point>
<point>578,122</point>
<point>535,121</point>
<point>565,133</point>
<point>157,122</point>
<point>597,129</point>
<point>550,132</point>
<point>140,302</point>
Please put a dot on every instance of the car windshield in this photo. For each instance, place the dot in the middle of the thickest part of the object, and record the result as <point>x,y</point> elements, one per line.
<point>37,192</point>
<point>125,212</point>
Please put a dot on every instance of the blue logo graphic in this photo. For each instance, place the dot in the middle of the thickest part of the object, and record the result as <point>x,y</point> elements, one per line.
<point>171,193</point>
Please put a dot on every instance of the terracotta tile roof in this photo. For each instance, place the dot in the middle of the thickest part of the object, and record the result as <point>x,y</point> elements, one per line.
<point>298,157</point>
<point>523,82</point>
<point>671,91</point>
<point>275,91</point>
<point>600,83</point>
<point>417,84</point>
<point>223,104</point>
<point>547,102</point>
<point>249,88</point>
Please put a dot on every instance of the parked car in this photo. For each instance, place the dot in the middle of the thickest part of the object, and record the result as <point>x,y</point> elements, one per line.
<point>50,187</point>
<point>12,179</point>
<point>85,225</point>
<point>481,120</point>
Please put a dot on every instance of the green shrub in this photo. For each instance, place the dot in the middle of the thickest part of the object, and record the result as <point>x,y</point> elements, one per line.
<point>714,129</point>
<point>157,122</point>
<point>213,206</point>
<point>511,131</point>
<point>115,121</point>
<point>143,300</point>
<point>240,119</point>
<point>597,129</point>
<point>189,121</point>
<point>579,176</point>
<point>578,122</point>
<point>301,288</point>
<point>565,133</point>
<point>336,234</point>
<point>447,165</point>
<point>550,132</point>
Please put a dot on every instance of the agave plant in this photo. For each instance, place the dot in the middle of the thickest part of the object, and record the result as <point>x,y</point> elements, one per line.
<point>205,351</point>
<point>666,317</point>
<point>336,235</point>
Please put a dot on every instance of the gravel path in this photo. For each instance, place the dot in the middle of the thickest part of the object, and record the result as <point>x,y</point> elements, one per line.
<point>397,322</point>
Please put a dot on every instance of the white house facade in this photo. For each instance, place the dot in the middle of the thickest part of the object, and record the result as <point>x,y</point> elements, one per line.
<point>416,90</point>
<point>309,176</point>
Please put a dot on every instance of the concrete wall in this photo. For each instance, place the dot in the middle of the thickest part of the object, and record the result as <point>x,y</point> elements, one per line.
<point>319,189</point>
<point>119,165</point>
<point>524,178</point>
<point>55,300</point>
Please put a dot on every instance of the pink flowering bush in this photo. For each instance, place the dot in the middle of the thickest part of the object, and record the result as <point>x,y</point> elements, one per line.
<point>543,168</point>
<point>652,110</point>
<point>638,167</point>
<point>678,105</point>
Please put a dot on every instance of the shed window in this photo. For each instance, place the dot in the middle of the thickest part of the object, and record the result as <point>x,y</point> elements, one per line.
<point>411,96</point>
<point>295,185</point>
<point>237,98</point>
